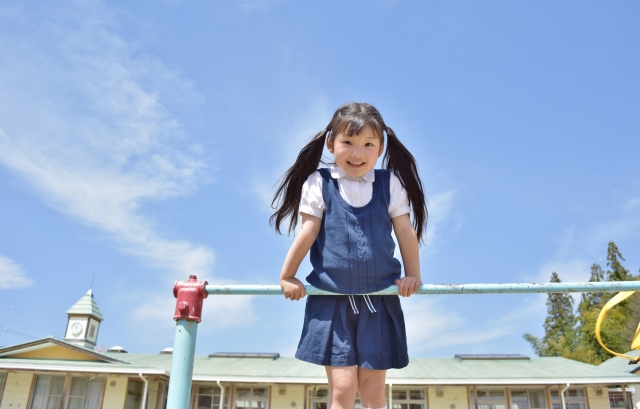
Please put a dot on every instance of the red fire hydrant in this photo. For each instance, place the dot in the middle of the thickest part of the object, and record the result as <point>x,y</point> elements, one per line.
<point>189,296</point>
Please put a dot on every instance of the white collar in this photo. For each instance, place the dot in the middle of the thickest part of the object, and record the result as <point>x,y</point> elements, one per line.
<point>337,173</point>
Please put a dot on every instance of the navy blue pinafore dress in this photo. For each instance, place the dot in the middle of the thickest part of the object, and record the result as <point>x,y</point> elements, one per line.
<point>353,254</point>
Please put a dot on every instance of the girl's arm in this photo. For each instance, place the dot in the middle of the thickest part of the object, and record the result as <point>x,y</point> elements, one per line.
<point>408,242</point>
<point>292,287</point>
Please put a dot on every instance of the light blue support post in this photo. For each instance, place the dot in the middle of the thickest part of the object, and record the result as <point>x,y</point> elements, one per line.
<point>184,348</point>
<point>188,314</point>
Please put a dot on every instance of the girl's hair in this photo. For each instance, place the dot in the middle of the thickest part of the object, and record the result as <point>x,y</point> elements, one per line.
<point>350,119</point>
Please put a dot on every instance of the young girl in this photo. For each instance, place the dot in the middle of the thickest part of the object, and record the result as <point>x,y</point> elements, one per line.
<point>348,212</point>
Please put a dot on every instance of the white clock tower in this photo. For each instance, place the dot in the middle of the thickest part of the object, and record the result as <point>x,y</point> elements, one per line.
<point>84,321</point>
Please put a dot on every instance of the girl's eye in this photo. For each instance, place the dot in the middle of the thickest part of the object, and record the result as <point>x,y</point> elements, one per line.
<point>347,142</point>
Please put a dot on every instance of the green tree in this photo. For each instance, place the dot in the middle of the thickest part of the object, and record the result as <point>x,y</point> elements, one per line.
<point>617,271</point>
<point>559,326</point>
<point>590,305</point>
<point>617,331</point>
<point>574,337</point>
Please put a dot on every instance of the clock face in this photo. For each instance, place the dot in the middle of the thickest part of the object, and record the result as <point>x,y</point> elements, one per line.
<point>76,328</point>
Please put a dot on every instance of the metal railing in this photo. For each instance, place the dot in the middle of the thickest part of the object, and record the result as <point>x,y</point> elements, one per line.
<point>191,294</point>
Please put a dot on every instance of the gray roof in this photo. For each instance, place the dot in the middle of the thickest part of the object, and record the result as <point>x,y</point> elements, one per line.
<point>622,364</point>
<point>96,362</point>
<point>421,371</point>
<point>86,306</point>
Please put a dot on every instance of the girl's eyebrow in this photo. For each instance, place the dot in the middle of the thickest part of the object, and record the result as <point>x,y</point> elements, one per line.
<point>368,137</point>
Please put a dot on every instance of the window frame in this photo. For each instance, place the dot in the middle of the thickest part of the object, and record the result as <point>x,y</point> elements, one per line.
<point>528,389</point>
<point>34,384</point>
<point>621,397</point>
<point>311,400</point>
<point>557,400</point>
<point>475,400</point>
<point>228,391</point>
<point>130,381</point>
<point>408,401</point>
<point>266,399</point>
<point>66,387</point>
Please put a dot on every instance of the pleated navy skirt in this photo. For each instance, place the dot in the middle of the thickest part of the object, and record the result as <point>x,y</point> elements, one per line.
<point>354,330</point>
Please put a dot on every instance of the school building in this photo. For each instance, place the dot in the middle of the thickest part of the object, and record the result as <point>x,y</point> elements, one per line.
<point>52,373</point>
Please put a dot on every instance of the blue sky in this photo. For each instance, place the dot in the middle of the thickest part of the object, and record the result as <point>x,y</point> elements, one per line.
<point>140,143</point>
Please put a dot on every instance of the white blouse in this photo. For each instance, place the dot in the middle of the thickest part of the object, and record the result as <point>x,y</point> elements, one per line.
<point>355,191</point>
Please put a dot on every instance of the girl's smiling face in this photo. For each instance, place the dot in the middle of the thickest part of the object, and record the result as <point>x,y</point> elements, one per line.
<point>356,154</point>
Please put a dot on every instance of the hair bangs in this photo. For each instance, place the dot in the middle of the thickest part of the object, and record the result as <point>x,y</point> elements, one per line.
<point>355,123</point>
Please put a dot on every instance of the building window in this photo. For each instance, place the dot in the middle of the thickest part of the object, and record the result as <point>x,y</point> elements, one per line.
<point>616,400</point>
<point>408,398</point>
<point>528,399</point>
<point>83,392</point>
<point>208,396</point>
<point>250,397</point>
<point>575,398</point>
<point>47,392</point>
<point>3,379</point>
<point>162,396</point>
<point>134,395</point>
<point>318,398</point>
<point>489,399</point>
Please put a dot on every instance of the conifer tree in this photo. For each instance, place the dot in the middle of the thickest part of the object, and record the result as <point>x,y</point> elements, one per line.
<point>616,329</point>
<point>617,271</point>
<point>590,305</point>
<point>574,337</point>
<point>559,326</point>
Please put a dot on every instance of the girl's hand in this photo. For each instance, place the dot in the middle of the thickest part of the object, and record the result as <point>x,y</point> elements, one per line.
<point>293,288</point>
<point>408,285</point>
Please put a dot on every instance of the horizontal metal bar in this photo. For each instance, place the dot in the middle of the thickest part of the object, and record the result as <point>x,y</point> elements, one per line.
<point>597,286</point>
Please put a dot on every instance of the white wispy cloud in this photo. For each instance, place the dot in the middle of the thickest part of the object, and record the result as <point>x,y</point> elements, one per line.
<point>300,129</point>
<point>152,322</point>
<point>12,275</point>
<point>440,206</point>
<point>632,203</point>
<point>433,323</point>
<point>83,121</point>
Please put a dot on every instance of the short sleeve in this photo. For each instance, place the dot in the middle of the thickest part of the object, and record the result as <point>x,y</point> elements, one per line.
<point>311,201</point>
<point>398,203</point>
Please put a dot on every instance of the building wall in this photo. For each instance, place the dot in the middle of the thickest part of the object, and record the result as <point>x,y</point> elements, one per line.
<point>293,394</point>
<point>598,402</point>
<point>56,352</point>
<point>453,395</point>
<point>17,390</point>
<point>115,392</point>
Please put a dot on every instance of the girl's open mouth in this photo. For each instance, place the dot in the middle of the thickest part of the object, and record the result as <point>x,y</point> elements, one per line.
<point>355,165</point>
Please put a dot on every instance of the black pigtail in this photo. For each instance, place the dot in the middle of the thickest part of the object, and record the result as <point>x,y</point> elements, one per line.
<point>400,161</point>
<point>286,200</point>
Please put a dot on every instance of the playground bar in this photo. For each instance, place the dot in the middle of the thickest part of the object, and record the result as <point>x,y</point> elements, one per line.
<point>596,286</point>
<point>190,296</point>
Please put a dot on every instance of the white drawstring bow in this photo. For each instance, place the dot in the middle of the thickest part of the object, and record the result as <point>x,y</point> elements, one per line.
<point>367,300</point>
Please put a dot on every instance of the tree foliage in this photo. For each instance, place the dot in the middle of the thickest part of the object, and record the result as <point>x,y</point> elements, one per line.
<point>559,326</point>
<point>572,335</point>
